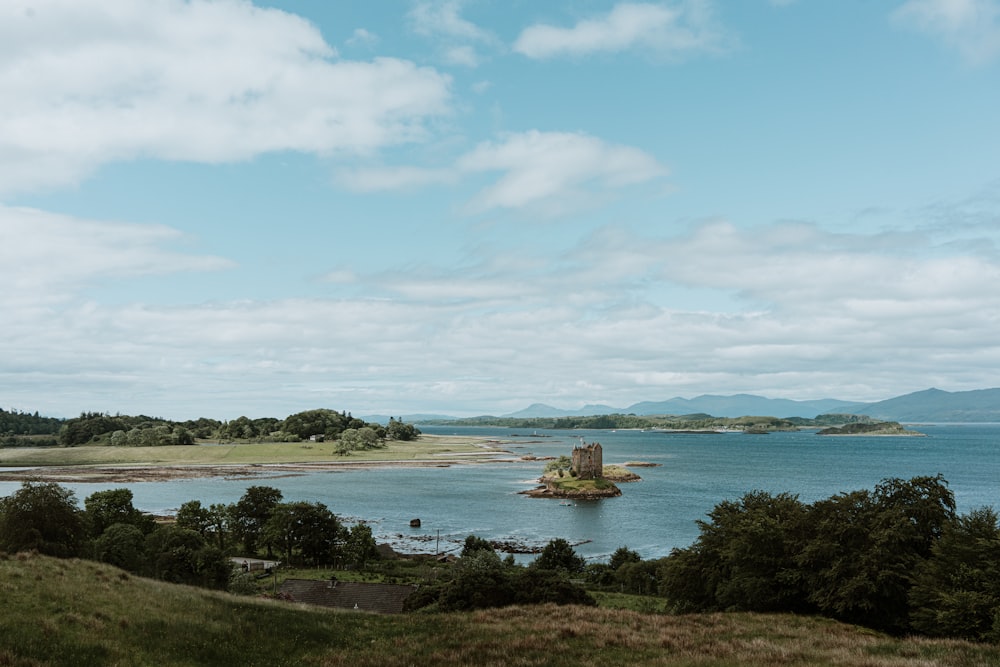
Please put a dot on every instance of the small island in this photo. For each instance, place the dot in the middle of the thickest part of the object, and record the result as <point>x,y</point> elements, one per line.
<point>587,478</point>
<point>871,428</point>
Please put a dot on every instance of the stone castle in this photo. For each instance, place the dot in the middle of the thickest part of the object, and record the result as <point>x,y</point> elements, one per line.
<point>588,461</point>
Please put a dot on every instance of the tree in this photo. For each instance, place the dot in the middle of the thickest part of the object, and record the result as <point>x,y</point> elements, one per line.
<point>42,516</point>
<point>482,581</point>
<point>316,422</point>
<point>106,508</point>
<point>539,586</point>
<point>398,430</point>
<point>249,514</point>
<point>859,561</point>
<point>181,556</point>
<point>559,555</point>
<point>360,546</point>
<point>621,556</point>
<point>121,545</point>
<point>353,439</point>
<point>957,590</point>
<point>307,529</point>
<point>473,544</point>
<point>193,516</point>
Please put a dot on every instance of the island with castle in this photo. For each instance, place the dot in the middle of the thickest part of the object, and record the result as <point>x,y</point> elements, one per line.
<point>587,477</point>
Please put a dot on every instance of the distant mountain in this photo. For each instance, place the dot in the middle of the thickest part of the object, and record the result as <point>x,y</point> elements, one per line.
<point>543,410</point>
<point>931,405</point>
<point>738,405</point>
<point>935,405</point>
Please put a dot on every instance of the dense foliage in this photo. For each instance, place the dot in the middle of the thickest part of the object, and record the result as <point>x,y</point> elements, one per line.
<point>195,549</point>
<point>481,579</point>
<point>24,428</point>
<point>349,433</point>
<point>693,422</point>
<point>897,559</point>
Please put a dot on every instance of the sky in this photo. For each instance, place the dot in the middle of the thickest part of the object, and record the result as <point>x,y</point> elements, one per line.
<point>221,208</point>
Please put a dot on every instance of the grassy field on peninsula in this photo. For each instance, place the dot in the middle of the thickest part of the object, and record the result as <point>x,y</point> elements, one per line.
<point>425,448</point>
<point>75,612</point>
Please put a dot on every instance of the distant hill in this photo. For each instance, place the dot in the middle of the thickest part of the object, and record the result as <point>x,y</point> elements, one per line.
<point>935,405</point>
<point>543,410</point>
<point>409,419</point>
<point>738,405</point>
<point>931,405</point>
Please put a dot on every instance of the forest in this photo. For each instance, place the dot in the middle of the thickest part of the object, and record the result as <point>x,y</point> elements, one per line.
<point>98,428</point>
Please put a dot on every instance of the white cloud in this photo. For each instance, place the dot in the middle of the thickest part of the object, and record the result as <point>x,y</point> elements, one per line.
<point>673,30</point>
<point>971,27</point>
<point>362,37</point>
<point>435,18</point>
<point>89,82</point>
<point>618,318</point>
<point>457,37</point>
<point>549,173</point>
<point>46,258</point>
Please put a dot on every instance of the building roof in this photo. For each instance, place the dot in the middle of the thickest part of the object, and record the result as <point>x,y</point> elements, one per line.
<point>375,598</point>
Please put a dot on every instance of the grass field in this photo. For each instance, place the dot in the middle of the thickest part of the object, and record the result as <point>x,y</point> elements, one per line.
<point>426,448</point>
<point>72,612</point>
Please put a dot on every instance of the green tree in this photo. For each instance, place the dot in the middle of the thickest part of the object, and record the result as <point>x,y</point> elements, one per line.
<point>473,544</point>
<point>317,422</point>
<point>399,430</point>
<point>359,546</point>
<point>193,516</point>
<point>957,590</point>
<point>182,556</point>
<point>249,514</point>
<point>482,581</point>
<point>309,530</point>
<point>355,439</point>
<point>42,516</point>
<point>106,508</point>
<point>539,586</point>
<point>88,426</point>
<point>559,555</point>
<point>859,561</point>
<point>621,556</point>
<point>121,545</point>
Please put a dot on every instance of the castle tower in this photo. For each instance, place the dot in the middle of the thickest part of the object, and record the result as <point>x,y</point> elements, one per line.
<point>588,461</point>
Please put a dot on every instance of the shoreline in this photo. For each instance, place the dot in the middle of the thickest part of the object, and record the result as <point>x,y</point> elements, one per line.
<point>476,451</point>
<point>164,473</point>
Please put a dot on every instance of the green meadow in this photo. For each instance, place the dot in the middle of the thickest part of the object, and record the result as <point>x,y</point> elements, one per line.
<point>76,612</point>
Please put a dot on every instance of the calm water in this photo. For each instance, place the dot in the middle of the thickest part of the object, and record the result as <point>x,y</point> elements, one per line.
<point>652,516</point>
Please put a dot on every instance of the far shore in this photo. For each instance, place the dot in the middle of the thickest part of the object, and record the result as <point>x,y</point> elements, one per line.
<point>235,461</point>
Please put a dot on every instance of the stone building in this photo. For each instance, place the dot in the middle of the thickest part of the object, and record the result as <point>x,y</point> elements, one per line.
<point>588,461</point>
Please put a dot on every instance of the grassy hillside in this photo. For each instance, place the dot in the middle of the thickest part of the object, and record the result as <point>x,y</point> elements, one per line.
<point>83,613</point>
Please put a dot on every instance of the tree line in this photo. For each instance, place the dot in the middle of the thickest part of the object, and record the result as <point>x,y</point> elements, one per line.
<point>195,548</point>
<point>897,558</point>
<point>351,433</point>
<point>697,421</point>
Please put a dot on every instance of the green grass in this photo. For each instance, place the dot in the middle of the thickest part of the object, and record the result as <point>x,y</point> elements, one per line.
<point>426,448</point>
<point>569,483</point>
<point>81,613</point>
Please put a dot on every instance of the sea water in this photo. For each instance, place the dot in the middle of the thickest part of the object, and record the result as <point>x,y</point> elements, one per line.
<point>653,516</point>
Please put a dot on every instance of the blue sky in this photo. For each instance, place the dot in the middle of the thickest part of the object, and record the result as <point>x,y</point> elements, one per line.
<point>222,208</point>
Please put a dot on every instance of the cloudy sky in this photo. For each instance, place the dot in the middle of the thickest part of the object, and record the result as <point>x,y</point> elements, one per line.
<point>222,208</point>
